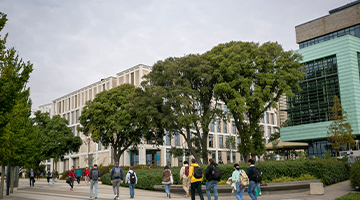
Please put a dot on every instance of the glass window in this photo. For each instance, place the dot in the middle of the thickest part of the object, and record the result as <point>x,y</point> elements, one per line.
<point>224,127</point>
<point>212,126</point>
<point>77,116</point>
<point>266,118</point>
<point>226,142</point>
<point>221,141</point>
<point>225,110</point>
<point>99,145</point>
<point>218,126</point>
<point>272,118</point>
<point>167,138</point>
<point>211,140</point>
<point>233,128</point>
<point>168,157</point>
<point>177,139</point>
<point>269,131</point>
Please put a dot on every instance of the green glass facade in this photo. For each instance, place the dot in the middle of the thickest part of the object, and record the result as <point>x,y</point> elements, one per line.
<point>311,103</point>
<point>333,70</point>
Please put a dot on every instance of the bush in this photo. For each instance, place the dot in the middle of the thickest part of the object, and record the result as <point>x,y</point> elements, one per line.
<point>355,175</point>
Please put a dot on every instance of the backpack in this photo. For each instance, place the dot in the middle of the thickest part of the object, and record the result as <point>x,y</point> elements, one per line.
<point>117,172</point>
<point>216,173</point>
<point>244,178</point>
<point>132,178</point>
<point>95,175</point>
<point>197,172</point>
<point>257,175</point>
<point>48,174</point>
<point>187,170</point>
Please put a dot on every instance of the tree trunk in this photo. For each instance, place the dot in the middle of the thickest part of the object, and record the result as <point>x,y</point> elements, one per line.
<point>12,179</point>
<point>2,180</point>
<point>204,149</point>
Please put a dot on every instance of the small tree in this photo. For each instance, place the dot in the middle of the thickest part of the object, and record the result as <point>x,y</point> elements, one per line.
<point>339,130</point>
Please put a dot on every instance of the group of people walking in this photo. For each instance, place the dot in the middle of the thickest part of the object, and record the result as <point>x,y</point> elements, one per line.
<point>191,178</point>
<point>53,175</point>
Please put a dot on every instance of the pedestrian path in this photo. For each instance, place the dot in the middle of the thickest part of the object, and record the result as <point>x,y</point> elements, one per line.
<point>60,191</point>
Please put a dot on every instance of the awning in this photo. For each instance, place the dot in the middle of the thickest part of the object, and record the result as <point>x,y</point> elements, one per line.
<point>279,145</point>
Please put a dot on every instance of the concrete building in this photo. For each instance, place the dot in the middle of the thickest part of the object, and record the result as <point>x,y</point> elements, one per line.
<point>70,106</point>
<point>330,46</point>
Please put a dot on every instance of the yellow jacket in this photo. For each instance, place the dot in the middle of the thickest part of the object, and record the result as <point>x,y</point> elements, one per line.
<point>191,174</point>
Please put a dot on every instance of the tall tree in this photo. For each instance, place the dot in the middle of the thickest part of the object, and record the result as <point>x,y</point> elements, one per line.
<point>186,87</point>
<point>54,138</point>
<point>108,120</point>
<point>339,132</point>
<point>14,74</point>
<point>251,79</point>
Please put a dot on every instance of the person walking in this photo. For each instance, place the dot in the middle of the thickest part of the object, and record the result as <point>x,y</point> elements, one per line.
<point>38,174</point>
<point>212,179</point>
<point>117,177</point>
<point>48,176</point>
<point>352,159</point>
<point>78,175</point>
<point>195,174</point>
<point>86,175</point>
<point>32,177</point>
<point>72,176</point>
<point>184,173</point>
<point>23,174</point>
<point>167,180</point>
<point>53,176</point>
<point>239,192</point>
<point>57,175</point>
<point>252,184</point>
<point>94,176</point>
<point>131,180</point>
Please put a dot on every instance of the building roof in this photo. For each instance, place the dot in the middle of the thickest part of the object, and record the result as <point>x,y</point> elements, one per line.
<point>285,145</point>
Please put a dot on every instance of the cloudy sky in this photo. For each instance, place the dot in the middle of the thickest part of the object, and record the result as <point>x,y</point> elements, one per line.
<point>74,43</point>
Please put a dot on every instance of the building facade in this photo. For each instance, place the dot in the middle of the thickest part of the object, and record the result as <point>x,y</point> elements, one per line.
<point>330,46</point>
<point>70,106</point>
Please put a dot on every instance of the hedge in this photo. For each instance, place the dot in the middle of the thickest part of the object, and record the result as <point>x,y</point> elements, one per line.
<point>329,171</point>
<point>355,175</point>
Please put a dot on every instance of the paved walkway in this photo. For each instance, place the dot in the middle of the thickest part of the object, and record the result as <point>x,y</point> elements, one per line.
<point>60,191</point>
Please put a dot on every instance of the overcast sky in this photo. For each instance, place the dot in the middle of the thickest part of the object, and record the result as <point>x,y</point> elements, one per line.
<point>74,43</point>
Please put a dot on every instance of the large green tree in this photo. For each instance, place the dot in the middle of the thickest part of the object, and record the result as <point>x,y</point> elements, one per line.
<point>14,74</point>
<point>251,79</point>
<point>108,119</point>
<point>53,139</point>
<point>340,131</point>
<point>186,86</point>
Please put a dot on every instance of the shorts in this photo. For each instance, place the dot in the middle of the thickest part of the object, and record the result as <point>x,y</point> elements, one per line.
<point>87,178</point>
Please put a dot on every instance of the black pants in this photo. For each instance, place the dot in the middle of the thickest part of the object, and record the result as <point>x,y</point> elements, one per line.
<point>48,179</point>
<point>32,180</point>
<point>196,186</point>
<point>78,180</point>
<point>72,182</point>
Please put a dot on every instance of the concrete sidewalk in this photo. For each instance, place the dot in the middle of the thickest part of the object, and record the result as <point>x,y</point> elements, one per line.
<point>60,191</point>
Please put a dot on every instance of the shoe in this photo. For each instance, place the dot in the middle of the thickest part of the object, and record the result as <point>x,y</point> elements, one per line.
<point>71,189</point>
<point>188,194</point>
<point>90,198</point>
<point>115,197</point>
<point>169,196</point>
<point>185,195</point>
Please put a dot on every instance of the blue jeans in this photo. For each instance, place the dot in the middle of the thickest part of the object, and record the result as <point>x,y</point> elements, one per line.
<point>131,187</point>
<point>167,188</point>
<point>239,192</point>
<point>53,180</point>
<point>252,189</point>
<point>93,183</point>
<point>214,186</point>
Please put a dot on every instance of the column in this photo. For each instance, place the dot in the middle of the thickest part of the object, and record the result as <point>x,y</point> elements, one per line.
<point>126,158</point>
<point>142,155</point>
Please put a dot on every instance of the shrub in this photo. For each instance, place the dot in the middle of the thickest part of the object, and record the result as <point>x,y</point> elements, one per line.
<point>355,175</point>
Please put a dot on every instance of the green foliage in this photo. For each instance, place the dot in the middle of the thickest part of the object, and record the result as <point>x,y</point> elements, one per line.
<point>108,119</point>
<point>54,138</point>
<point>350,196</point>
<point>355,174</point>
<point>250,79</point>
<point>339,130</point>
<point>303,177</point>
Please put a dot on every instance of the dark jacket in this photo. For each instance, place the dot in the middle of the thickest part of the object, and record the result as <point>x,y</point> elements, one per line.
<point>208,172</point>
<point>250,173</point>
<point>113,171</point>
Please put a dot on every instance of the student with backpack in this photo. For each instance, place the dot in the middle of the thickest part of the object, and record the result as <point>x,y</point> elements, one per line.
<point>184,173</point>
<point>71,179</point>
<point>48,176</point>
<point>239,176</point>
<point>117,178</point>
<point>131,180</point>
<point>94,176</point>
<point>195,173</point>
<point>167,180</point>
<point>255,177</point>
<point>213,176</point>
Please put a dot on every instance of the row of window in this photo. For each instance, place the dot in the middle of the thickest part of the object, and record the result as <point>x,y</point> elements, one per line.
<point>72,117</point>
<point>354,30</point>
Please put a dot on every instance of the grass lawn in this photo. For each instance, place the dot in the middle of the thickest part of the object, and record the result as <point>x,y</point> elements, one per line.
<point>350,196</point>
